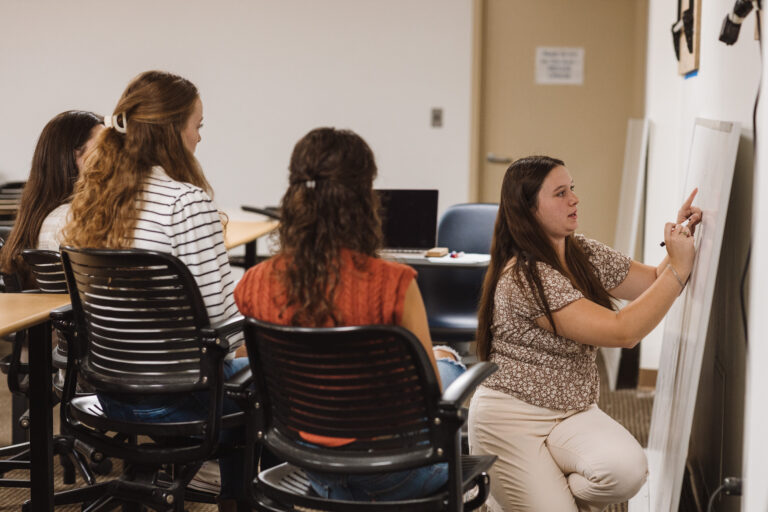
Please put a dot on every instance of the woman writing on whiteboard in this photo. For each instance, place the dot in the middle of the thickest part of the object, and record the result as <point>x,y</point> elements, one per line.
<point>546,306</point>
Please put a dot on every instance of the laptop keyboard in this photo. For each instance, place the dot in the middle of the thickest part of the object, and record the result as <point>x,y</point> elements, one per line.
<point>393,253</point>
<point>406,251</point>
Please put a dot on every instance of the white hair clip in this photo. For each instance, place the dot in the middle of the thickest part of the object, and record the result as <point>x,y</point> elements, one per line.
<point>310,183</point>
<point>111,122</point>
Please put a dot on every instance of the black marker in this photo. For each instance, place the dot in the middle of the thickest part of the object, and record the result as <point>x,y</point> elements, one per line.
<point>684,225</point>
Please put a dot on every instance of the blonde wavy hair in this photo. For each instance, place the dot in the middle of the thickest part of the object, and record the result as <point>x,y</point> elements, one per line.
<point>156,106</point>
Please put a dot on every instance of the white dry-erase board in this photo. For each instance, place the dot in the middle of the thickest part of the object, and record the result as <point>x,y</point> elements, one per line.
<point>629,217</point>
<point>710,168</point>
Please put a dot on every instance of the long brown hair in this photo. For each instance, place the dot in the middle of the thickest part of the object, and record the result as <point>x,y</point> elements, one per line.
<point>330,204</point>
<point>155,108</point>
<point>517,235</point>
<point>51,179</point>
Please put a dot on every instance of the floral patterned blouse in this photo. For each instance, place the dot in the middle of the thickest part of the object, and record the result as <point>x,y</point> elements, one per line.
<point>535,365</point>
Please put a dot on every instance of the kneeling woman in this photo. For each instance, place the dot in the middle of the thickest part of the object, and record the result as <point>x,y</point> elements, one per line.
<point>546,306</point>
<point>327,274</point>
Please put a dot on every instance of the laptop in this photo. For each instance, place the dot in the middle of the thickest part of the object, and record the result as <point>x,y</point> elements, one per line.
<point>409,220</point>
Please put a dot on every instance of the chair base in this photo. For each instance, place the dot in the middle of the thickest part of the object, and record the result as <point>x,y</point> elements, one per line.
<point>137,487</point>
<point>285,486</point>
<point>69,458</point>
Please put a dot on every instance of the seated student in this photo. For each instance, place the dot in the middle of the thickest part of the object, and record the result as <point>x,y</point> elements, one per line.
<point>327,274</point>
<point>546,306</point>
<point>56,163</point>
<point>142,187</point>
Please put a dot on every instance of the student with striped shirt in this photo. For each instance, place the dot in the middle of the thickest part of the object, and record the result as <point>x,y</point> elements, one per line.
<point>142,187</point>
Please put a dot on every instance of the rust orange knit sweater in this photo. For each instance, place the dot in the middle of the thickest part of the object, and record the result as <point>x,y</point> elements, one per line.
<point>373,293</point>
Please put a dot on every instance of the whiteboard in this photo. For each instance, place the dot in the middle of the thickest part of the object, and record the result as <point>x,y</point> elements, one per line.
<point>710,168</point>
<point>628,218</point>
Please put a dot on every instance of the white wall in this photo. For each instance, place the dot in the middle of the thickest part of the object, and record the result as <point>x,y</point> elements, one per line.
<point>755,472</point>
<point>267,71</point>
<point>724,89</point>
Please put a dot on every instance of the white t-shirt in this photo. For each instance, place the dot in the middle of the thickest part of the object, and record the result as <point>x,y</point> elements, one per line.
<point>51,230</point>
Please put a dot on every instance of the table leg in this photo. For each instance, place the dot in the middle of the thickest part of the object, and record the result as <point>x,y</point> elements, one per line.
<point>41,418</point>
<point>250,254</point>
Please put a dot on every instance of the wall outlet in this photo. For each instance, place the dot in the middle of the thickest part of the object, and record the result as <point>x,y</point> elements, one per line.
<point>437,118</point>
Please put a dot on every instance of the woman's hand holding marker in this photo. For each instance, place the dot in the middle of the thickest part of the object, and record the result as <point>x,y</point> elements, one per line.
<point>688,216</point>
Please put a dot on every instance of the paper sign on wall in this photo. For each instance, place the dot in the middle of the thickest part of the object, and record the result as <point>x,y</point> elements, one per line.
<point>559,65</point>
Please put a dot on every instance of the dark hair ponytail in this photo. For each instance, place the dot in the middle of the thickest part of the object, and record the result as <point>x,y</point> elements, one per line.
<point>329,205</point>
<point>519,239</point>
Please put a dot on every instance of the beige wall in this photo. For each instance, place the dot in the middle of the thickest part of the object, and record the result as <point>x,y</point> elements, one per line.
<point>584,125</point>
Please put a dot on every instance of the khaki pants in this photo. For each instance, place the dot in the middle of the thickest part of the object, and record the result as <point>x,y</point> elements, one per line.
<point>553,461</point>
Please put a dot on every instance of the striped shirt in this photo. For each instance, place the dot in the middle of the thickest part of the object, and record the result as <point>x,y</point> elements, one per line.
<point>180,219</point>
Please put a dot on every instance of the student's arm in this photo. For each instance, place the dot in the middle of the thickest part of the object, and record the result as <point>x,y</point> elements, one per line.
<point>415,320</point>
<point>641,276</point>
<point>587,322</point>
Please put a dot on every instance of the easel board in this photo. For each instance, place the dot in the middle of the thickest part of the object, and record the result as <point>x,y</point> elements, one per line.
<point>710,168</point>
<point>629,216</point>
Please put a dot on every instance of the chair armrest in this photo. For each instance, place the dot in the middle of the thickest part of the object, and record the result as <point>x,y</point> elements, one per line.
<point>240,381</point>
<point>218,334</point>
<point>63,320</point>
<point>229,327</point>
<point>461,388</point>
<point>62,313</point>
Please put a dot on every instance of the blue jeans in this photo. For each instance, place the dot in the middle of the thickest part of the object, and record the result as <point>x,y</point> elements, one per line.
<point>398,485</point>
<point>193,406</point>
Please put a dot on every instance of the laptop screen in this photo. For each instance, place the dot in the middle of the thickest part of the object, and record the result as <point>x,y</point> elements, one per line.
<point>409,218</point>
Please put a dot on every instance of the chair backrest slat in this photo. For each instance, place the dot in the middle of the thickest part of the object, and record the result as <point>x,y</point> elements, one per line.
<point>139,316</point>
<point>46,270</point>
<point>373,384</point>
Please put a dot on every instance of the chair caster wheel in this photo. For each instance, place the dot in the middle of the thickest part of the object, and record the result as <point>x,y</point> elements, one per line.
<point>103,467</point>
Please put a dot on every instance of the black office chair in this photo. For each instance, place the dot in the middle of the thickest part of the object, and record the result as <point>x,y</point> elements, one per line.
<point>12,188</point>
<point>451,293</point>
<point>48,274</point>
<point>16,453</point>
<point>10,192</point>
<point>49,277</point>
<point>10,283</point>
<point>137,326</point>
<point>372,383</point>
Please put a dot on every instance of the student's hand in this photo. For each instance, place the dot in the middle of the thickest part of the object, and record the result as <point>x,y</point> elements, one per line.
<point>679,243</point>
<point>688,211</point>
